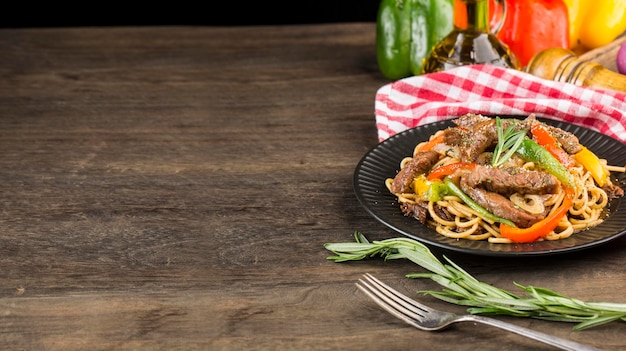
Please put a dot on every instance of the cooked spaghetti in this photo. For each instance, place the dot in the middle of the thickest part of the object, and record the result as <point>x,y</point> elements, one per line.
<point>504,181</point>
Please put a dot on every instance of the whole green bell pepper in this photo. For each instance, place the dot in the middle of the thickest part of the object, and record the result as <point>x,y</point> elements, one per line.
<point>406,31</point>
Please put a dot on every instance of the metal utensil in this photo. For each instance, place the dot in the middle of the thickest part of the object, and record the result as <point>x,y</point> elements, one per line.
<point>425,318</point>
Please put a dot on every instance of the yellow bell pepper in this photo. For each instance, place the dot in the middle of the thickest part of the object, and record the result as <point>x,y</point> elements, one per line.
<point>421,186</point>
<point>595,23</point>
<point>591,162</point>
<point>428,190</point>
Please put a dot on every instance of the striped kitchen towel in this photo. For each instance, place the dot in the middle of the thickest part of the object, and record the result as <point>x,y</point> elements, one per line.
<point>491,90</point>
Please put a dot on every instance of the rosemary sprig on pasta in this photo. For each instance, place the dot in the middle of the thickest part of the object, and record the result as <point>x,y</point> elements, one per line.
<point>508,141</point>
<point>461,288</point>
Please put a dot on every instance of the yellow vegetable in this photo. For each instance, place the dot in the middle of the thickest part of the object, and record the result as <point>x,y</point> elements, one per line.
<point>577,10</point>
<point>421,186</point>
<point>428,190</point>
<point>591,162</point>
<point>595,23</point>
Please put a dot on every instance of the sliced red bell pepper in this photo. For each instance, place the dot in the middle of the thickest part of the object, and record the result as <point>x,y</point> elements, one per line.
<point>437,139</point>
<point>448,169</point>
<point>541,228</point>
<point>545,139</point>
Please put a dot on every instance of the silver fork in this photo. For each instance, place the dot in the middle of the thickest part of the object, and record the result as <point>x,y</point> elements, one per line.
<point>423,317</point>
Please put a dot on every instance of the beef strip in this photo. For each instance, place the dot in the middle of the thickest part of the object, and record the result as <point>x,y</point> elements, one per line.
<point>568,141</point>
<point>507,181</point>
<point>613,191</point>
<point>484,158</point>
<point>473,141</point>
<point>467,121</point>
<point>499,205</point>
<point>476,134</point>
<point>418,210</point>
<point>443,212</point>
<point>421,163</point>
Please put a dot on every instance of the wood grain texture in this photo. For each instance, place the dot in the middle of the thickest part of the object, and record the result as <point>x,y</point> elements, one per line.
<point>606,55</point>
<point>171,188</point>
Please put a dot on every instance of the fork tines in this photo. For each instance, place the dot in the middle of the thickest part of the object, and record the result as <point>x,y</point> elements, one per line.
<point>391,300</point>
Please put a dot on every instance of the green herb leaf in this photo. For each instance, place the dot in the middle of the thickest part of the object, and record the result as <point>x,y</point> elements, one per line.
<point>508,142</point>
<point>461,288</point>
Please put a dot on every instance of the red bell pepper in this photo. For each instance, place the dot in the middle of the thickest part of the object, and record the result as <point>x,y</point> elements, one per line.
<point>438,139</point>
<point>531,26</point>
<point>545,139</point>
<point>448,169</point>
<point>541,228</point>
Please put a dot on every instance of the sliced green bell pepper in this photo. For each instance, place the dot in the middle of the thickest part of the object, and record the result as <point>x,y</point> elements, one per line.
<point>534,152</point>
<point>456,191</point>
<point>406,31</point>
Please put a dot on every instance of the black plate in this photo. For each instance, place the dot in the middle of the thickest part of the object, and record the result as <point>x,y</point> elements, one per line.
<point>383,161</point>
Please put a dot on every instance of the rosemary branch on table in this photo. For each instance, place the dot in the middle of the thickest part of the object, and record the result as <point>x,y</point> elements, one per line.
<point>461,288</point>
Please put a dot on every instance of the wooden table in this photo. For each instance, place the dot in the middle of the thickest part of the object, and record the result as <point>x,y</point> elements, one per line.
<point>171,188</point>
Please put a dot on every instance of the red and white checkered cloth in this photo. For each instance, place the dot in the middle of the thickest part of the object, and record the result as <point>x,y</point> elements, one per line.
<point>491,90</point>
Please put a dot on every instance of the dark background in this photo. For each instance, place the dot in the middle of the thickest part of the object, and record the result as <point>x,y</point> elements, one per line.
<point>246,12</point>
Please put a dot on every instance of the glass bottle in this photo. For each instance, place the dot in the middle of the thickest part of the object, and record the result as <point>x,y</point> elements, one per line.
<point>471,41</point>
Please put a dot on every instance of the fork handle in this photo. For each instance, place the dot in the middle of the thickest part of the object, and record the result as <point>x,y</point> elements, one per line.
<point>561,343</point>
